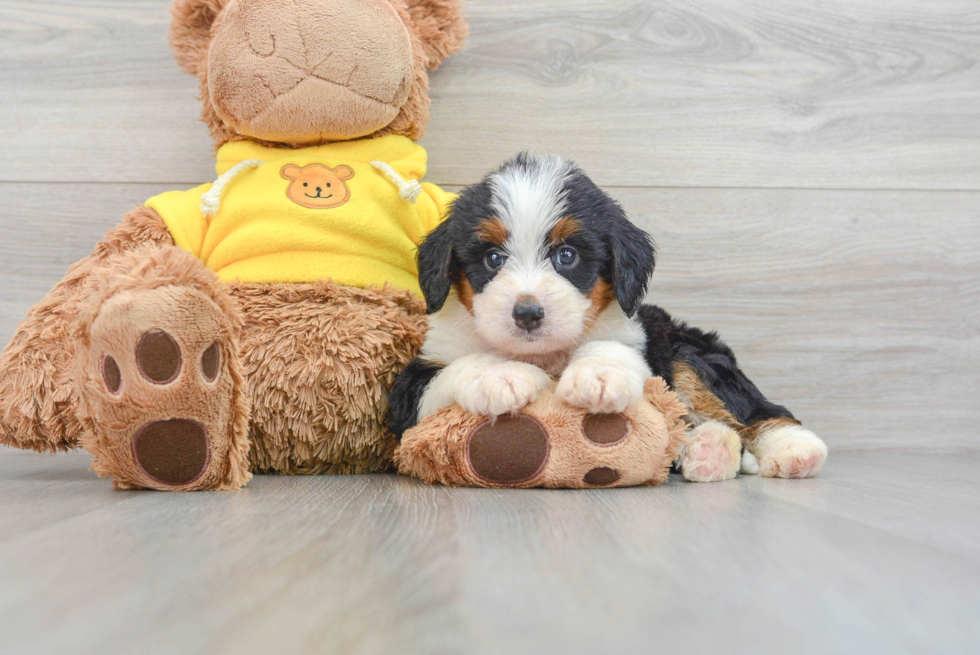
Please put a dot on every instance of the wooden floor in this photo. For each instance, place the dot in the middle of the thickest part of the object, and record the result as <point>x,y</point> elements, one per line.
<point>880,554</point>
<point>811,173</point>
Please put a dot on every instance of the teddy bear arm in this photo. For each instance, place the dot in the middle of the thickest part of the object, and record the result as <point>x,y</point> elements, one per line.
<point>38,404</point>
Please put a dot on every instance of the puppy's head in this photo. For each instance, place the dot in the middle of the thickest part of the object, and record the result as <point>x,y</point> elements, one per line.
<point>536,252</point>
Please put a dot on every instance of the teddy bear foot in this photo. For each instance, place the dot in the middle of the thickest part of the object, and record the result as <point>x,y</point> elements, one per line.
<point>159,391</point>
<point>549,444</point>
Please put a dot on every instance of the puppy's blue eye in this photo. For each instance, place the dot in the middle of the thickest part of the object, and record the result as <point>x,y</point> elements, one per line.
<point>494,259</point>
<point>566,256</point>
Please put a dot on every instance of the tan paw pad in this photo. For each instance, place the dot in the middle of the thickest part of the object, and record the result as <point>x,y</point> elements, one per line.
<point>510,450</point>
<point>172,452</point>
<point>601,476</point>
<point>158,357</point>
<point>605,429</point>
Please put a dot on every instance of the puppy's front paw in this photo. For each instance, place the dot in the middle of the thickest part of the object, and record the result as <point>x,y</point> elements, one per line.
<point>599,386</point>
<point>503,388</point>
<point>789,451</point>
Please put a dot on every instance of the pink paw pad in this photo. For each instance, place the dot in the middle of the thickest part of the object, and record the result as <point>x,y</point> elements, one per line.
<point>793,463</point>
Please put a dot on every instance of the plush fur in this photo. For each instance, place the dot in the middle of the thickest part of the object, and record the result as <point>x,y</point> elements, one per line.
<point>319,360</point>
<point>536,273</point>
<point>304,369</point>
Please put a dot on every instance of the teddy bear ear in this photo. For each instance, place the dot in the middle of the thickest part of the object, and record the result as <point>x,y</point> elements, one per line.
<point>190,31</point>
<point>290,172</point>
<point>440,25</point>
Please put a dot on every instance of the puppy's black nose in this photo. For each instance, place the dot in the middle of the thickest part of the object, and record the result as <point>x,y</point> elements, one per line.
<point>528,314</point>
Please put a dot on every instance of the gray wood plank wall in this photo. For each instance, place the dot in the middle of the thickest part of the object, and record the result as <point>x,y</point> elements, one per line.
<point>811,171</point>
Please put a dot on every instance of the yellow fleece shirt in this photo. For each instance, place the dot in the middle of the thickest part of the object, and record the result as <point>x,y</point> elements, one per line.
<point>324,212</point>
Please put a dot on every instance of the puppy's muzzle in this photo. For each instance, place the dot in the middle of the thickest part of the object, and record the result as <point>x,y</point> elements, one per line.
<point>528,315</point>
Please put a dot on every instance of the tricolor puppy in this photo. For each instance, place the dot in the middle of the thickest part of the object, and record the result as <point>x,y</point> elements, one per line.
<point>535,281</point>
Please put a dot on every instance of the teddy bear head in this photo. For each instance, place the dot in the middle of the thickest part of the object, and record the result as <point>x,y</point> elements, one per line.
<point>317,186</point>
<point>306,72</point>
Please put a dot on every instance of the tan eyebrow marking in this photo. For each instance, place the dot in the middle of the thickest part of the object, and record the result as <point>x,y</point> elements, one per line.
<point>563,229</point>
<point>492,230</point>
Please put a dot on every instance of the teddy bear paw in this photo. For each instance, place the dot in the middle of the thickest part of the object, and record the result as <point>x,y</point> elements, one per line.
<point>548,444</point>
<point>158,392</point>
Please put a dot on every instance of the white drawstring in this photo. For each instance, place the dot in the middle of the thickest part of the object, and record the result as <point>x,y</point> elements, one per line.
<point>407,190</point>
<point>211,199</point>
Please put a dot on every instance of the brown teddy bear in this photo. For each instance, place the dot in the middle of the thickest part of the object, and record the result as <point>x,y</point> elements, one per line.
<point>199,341</point>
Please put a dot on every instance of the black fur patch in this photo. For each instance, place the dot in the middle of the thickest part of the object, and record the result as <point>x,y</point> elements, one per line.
<point>670,340</point>
<point>590,263</point>
<point>436,262</point>
<point>406,393</point>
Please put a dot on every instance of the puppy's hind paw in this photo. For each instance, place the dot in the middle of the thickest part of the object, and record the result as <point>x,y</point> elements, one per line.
<point>789,451</point>
<point>712,454</point>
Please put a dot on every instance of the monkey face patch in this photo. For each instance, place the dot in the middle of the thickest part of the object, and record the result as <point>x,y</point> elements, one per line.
<point>317,186</point>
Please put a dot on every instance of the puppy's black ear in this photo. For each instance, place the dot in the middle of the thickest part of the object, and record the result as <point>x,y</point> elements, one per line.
<point>633,260</point>
<point>436,261</point>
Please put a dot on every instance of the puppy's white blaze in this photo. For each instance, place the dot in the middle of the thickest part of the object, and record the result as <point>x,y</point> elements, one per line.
<point>530,200</point>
